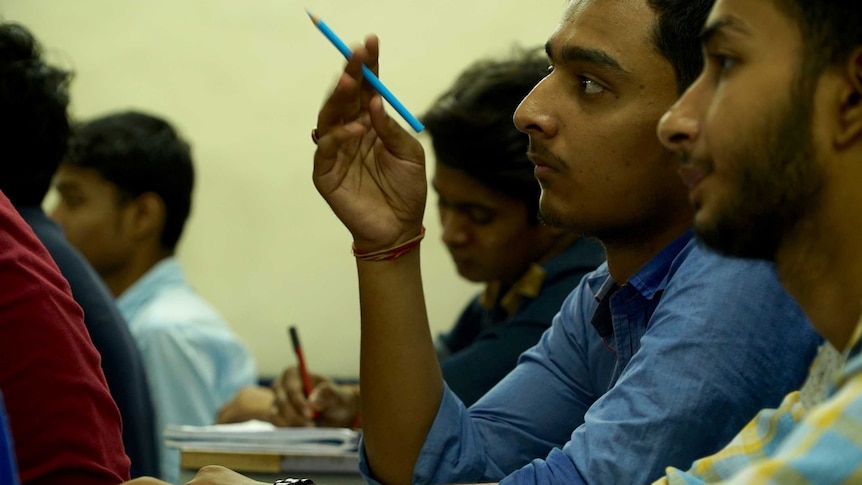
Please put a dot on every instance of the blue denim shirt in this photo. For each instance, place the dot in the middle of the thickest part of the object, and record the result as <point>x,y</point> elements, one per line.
<point>8,466</point>
<point>701,343</point>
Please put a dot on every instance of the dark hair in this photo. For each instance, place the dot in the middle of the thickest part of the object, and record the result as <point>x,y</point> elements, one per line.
<point>677,36</point>
<point>139,153</point>
<point>831,30</point>
<point>34,126</point>
<point>472,130</point>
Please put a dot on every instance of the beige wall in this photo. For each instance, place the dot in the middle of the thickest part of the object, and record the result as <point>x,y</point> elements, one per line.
<point>243,81</point>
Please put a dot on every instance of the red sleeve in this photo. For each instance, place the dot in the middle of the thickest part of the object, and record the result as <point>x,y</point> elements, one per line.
<point>65,426</point>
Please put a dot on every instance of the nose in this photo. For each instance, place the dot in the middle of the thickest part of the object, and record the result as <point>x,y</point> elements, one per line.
<point>533,115</point>
<point>455,226</point>
<point>680,126</point>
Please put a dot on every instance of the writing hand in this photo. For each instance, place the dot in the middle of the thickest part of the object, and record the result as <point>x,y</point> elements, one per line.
<point>336,405</point>
<point>292,407</point>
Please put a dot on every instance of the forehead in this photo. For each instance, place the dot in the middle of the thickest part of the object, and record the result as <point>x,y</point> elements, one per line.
<point>760,23</point>
<point>622,28</point>
<point>81,178</point>
<point>458,186</point>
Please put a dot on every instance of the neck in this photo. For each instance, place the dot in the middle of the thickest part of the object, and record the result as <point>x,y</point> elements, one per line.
<point>819,264</point>
<point>560,244</point>
<point>627,255</point>
<point>124,277</point>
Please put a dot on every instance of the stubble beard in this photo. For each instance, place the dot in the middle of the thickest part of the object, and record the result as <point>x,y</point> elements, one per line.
<point>778,183</point>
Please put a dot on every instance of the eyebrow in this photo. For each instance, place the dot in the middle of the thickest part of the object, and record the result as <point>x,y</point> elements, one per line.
<point>587,55</point>
<point>721,26</point>
<point>65,185</point>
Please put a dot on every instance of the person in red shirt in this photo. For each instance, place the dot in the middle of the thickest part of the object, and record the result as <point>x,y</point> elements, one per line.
<point>65,426</point>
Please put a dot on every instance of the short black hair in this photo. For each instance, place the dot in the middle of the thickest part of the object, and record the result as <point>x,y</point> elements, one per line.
<point>34,124</point>
<point>471,124</point>
<point>677,36</point>
<point>139,153</point>
<point>831,30</point>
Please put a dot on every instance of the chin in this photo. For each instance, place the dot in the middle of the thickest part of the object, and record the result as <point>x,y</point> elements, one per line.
<point>471,276</point>
<point>551,217</point>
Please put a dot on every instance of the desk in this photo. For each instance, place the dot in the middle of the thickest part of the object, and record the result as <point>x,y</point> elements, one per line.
<point>267,467</point>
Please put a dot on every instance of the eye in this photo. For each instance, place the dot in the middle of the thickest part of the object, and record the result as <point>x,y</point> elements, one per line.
<point>723,62</point>
<point>481,216</point>
<point>588,86</point>
<point>71,201</point>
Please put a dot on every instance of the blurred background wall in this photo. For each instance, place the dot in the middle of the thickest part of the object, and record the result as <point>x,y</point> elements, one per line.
<point>243,81</point>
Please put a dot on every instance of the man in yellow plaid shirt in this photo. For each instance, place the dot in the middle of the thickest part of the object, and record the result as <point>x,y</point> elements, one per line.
<point>771,138</point>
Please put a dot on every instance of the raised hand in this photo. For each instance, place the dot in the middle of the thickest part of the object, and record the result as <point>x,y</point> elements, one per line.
<point>369,170</point>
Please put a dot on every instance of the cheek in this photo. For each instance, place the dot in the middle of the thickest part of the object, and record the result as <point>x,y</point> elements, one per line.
<point>85,230</point>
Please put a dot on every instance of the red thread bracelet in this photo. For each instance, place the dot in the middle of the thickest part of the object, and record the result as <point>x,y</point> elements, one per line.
<point>390,253</point>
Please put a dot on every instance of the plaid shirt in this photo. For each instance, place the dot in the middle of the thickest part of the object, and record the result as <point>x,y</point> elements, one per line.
<point>791,446</point>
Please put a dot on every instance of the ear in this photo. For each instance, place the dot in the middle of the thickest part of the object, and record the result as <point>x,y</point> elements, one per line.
<point>148,217</point>
<point>851,102</point>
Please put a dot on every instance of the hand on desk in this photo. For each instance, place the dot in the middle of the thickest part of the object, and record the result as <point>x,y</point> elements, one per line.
<point>218,475</point>
<point>145,481</point>
<point>337,405</point>
<point>251,402</point>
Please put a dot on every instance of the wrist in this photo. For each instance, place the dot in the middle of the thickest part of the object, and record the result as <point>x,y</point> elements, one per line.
<point>390,253</point>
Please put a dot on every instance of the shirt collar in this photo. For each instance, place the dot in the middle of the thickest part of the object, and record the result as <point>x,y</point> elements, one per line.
<point>529,286</point>
<point>165,273</point>
<point>651,279</point>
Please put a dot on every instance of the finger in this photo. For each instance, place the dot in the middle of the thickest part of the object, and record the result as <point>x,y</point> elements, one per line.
<point>323,397</point>
<point>346,138</point>
<point>225,414</point>
<point>345,103</point>
<point>398,141</point>
<point>336,108</point>
<point>372,62</point>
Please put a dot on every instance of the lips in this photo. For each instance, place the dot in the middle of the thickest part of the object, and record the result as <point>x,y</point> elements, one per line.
<point>543,168</point>
<point>691,175</point>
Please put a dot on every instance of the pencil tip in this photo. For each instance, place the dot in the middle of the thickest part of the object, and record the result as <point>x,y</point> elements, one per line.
<point>311,16</point>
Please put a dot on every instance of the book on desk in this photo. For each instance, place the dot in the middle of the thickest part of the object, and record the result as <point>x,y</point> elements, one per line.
<point>257,446</point>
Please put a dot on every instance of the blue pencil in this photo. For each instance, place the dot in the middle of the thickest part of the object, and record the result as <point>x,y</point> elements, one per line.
<point>369,76</point>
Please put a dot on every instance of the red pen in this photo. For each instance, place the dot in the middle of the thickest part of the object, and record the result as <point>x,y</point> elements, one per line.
<point>303,369</point>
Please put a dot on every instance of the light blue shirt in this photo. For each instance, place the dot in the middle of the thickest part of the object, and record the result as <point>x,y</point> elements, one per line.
<point>701,343</point>
<point>194,362</point>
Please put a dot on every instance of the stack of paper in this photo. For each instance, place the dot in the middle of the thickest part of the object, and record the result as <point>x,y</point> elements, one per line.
<point>262,436</point>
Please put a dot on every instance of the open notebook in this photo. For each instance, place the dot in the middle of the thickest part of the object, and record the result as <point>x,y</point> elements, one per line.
<point>262,436</point>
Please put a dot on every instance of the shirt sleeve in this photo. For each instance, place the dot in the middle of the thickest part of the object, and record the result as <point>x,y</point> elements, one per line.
<point>725,342</point>
<point>760,437</point>
<point>826,446</point>
<point>533,409</point>
<point>473,371</point>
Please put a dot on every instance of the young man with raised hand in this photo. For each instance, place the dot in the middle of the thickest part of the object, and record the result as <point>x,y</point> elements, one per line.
<point>685,346</point>
<point>487,201</point>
